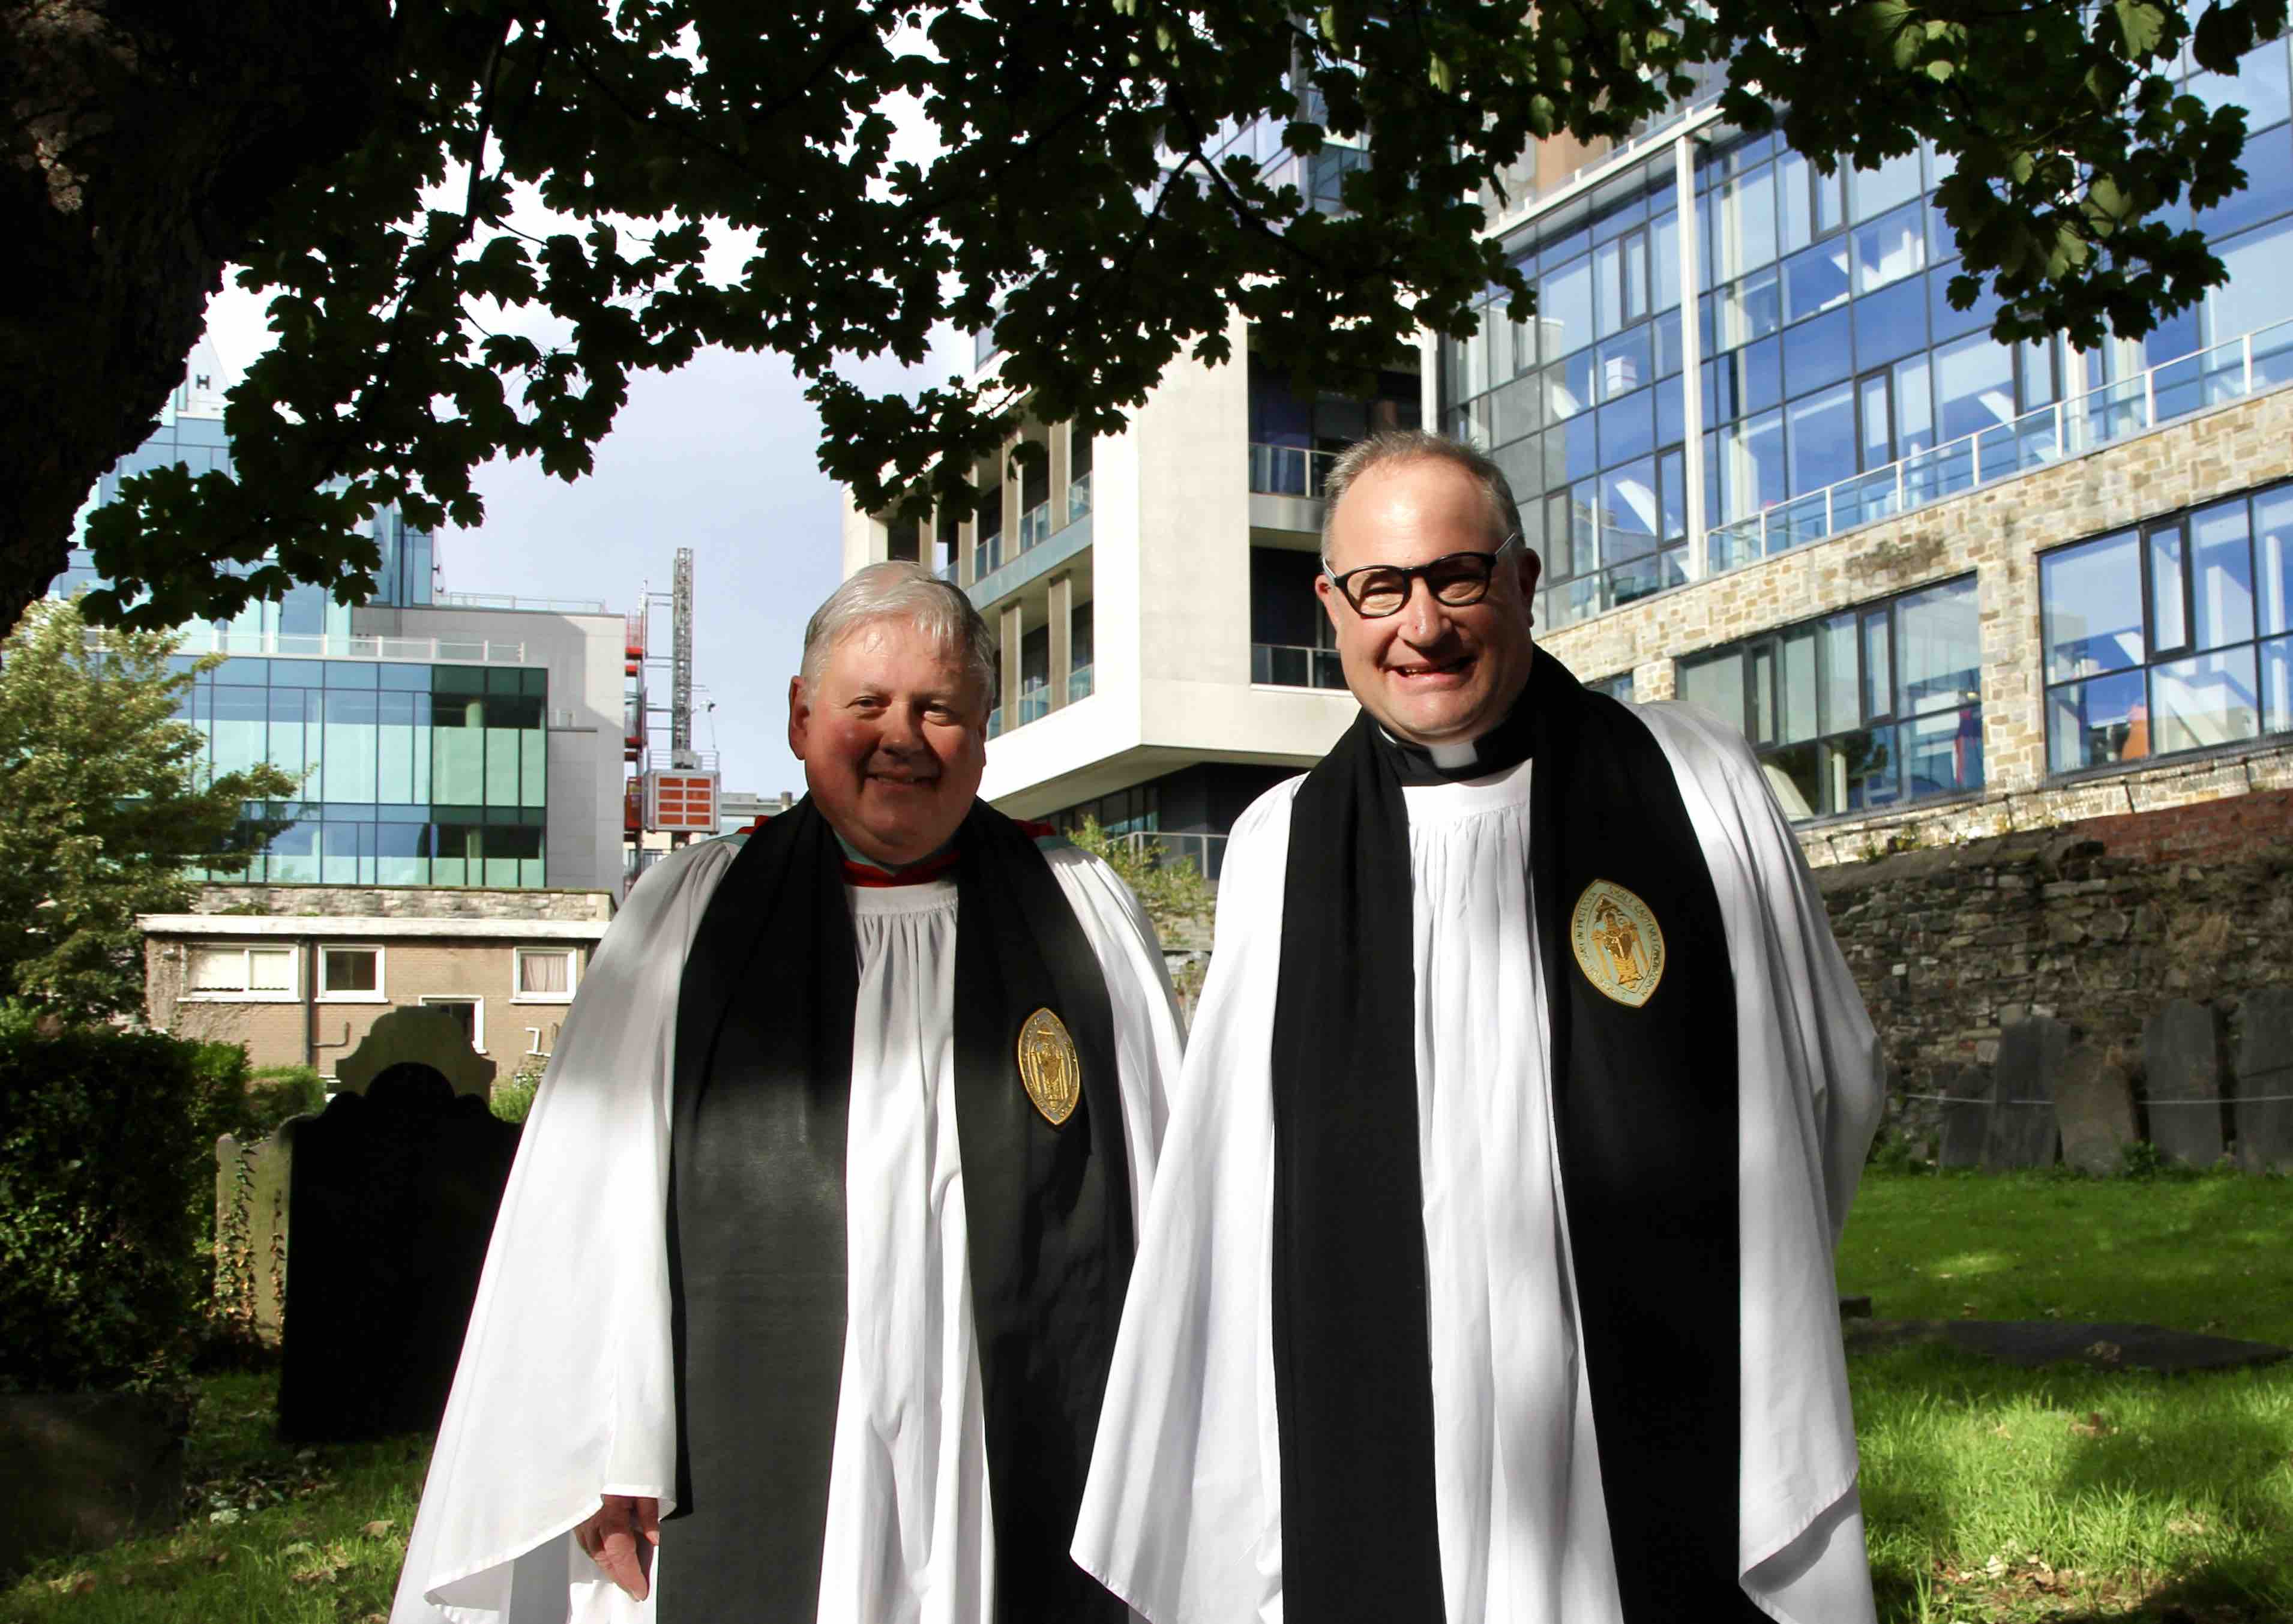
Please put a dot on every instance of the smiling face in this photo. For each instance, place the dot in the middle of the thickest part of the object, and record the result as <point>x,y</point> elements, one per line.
<point>893,735</point>
<point>1430,673</point>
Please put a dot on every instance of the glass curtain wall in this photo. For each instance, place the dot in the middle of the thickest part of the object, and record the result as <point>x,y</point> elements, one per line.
<point>2172,636</point>
<point>1291,642</point>
<point>412,774</point>
<point>1860,711</point>
<point>1830,350</point>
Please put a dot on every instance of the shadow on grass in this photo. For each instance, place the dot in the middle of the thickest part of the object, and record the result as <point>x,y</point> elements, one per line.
<point>2074,1496</point>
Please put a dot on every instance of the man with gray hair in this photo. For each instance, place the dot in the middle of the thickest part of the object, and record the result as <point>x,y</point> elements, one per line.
<point>803,1294</point>
<point>1488,1277</point>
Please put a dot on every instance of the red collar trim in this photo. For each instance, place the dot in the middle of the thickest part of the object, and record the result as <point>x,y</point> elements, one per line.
<point>869,875</point>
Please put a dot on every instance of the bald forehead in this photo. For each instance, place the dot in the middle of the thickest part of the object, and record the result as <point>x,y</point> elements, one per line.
<point>1421,506</point>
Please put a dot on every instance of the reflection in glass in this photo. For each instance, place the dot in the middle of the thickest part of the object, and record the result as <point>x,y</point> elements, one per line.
<point>2221,574</point>
<point>2272,526</point>
<point>2205,701</point>
<point>1938,649</point>
<point>2097,723</point>
<point>2277,685</point>
<point>2092,596</point>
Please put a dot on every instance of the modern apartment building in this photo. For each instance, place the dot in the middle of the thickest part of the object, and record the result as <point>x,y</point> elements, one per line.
<point>445,739</point>
<point>1946,586</point>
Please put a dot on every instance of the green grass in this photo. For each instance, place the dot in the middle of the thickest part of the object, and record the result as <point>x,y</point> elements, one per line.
<point>1993,1496</point>
<point>277,1536</point>
<point>1997,1494</point>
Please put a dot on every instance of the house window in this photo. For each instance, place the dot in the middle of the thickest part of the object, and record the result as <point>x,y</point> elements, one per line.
<point>470,1012</point>
<point>351,975</point>
<point>1864,709</point>
<point>545,975</point>
<point>229,971</point>
<point>2171,636</point>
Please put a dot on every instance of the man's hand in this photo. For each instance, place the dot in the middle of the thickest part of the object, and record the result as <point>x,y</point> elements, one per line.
<point>611,1538</point>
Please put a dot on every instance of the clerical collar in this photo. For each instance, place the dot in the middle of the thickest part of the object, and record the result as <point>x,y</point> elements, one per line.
<point>862,870</point>
<point>1503,747</point>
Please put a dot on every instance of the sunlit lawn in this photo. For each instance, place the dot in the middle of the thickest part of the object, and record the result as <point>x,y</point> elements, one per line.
<point>1993,1495</point>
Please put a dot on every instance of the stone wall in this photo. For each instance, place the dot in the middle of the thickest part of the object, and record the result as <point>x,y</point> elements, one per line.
<point>2099,923</point>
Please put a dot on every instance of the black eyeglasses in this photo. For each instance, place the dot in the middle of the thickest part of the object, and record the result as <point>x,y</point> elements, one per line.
<point>1377,590</point>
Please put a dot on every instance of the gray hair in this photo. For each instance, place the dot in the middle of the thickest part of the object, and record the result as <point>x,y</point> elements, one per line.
<point>898,589</point>
<point>1395,445</point>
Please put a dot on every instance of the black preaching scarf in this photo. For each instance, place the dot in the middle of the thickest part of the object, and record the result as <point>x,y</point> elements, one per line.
<point>757,1220</point>
<point>1645,1102</point>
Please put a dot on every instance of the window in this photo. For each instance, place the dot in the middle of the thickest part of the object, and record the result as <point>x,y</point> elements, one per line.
<point>469,1012</point>
<point>254,975</point>
<point>1861,710</point>
<point>545,975</point>
<point>351,975</point>
<point>2171,636</point>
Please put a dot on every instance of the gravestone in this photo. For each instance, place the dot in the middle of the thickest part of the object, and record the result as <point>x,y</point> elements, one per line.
<point>251,1188</point>
<point>2181,1050</point>
<point>394,1191</point>
<point>1968,1091</point>
<point>2023,1131</point>
<point>2093,1105</point>
<point>2264,1083</point>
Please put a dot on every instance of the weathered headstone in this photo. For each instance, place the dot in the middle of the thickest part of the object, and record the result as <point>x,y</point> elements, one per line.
<point>2181,1052</point>
<point>421,1036</point>
<point>394,1188</point>
<point>1969,1091</point>
<point>2023,1133</point>
<point>2264,1082</point>
<point>2094,1103</point>
<point>251,1188</point>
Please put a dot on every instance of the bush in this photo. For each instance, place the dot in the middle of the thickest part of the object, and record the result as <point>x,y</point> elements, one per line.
<point>106,1167</point>
<point>276,1092</point>
<point>512,1099</point>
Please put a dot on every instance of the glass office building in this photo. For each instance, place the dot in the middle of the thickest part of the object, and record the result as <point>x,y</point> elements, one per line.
<point>422,761</point>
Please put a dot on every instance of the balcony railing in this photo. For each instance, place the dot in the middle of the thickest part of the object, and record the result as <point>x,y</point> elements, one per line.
<point>1205,854</point>
<point>506,600</point>
<point>1078,496</point>
<point>1035,526</point>
<point>1034,704</point>
<point>947,572</point>
<point>1289,470</point>
<point>995,722</point>
<point>987,557</point>
<point>1079,684</point>
<point>2259,360</point>
<point>1288,666</point>
<point>208,639</point>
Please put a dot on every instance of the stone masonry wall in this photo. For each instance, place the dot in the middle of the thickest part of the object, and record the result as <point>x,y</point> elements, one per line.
<point>2099,923</point>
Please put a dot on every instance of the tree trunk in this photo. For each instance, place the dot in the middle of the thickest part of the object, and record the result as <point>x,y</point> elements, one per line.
<point>141,141</point>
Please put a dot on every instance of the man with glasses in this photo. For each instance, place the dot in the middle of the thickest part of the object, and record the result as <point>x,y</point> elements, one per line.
<point>1488,1277</point>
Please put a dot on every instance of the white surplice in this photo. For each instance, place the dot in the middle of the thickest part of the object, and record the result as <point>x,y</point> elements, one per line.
<point>563,1389</point>
<point>1182,1516</point>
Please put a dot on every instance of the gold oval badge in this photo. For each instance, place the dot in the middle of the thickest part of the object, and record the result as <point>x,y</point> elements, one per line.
<point>1049,1067</point>
<point>1618,944</point>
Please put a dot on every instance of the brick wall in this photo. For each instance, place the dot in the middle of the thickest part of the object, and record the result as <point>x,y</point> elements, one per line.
<point>322,1031</point>
<point>403,902</point>
<point>1997,532</point>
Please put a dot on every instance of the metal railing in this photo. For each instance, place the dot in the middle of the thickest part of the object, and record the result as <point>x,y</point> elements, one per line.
<point>1078,496</point>
<point>2258,361</point>
<point>1289,470</point>
<point>208,639</point>
<point>1205,854</point>
<point>506,600</point>
<point>1079,684</point>
<point>1290,666</point>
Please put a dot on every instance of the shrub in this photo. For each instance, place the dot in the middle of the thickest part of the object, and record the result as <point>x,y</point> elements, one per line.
<point>512,1099</point>
<point>105,1170</point>
<point>276,1092</point>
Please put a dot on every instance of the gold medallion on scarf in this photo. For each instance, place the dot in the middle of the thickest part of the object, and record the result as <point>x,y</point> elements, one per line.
<point>1049,1067</point>
<point>1619,944</point>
